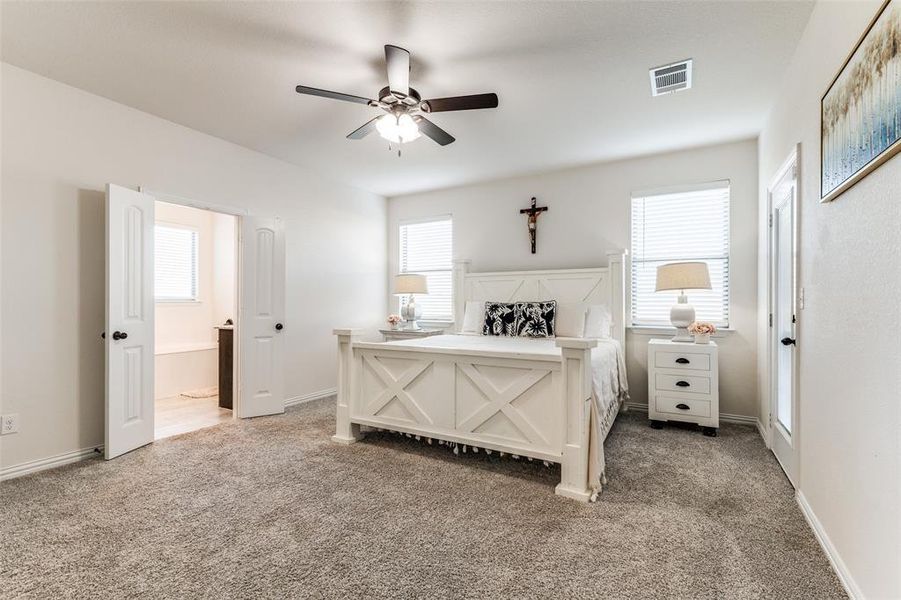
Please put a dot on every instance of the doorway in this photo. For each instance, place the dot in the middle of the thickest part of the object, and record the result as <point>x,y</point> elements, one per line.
<point>783,317</point>
<point>130,360</point>
<point>194,306</point>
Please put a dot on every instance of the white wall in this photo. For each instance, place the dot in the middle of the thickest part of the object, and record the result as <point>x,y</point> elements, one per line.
<point>589,212</point>
<point>60,147</point>
<point>850,328</point>
<point>224,267</point>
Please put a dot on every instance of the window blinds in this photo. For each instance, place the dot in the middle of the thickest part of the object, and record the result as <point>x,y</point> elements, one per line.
<point>426,247</point>
<point>690,225</point>
<point>175,269</point>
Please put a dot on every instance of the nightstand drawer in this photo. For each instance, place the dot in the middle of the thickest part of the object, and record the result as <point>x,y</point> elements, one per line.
<point>682,360</point>
<point>682,406</point>
<point>682,383</point>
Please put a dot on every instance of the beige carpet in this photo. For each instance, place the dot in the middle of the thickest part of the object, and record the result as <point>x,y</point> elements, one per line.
<point>270,508</point>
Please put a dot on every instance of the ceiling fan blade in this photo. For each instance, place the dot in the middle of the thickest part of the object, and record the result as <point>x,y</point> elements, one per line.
<point>398,62</point>
<point>361,132</point>
<point>311,91</point>
<point>460,103</point>
<point>433,131</point>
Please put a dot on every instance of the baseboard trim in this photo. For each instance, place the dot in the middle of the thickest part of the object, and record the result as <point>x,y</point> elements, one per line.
<point>294,401</point>
<point>725,417</point>
<point>763,433</point>
<point>838,565</point>
<point>51,462</point>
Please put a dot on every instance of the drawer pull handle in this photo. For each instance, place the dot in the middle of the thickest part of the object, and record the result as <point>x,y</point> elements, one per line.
<point>683,383</point>
<point>682,361</point>
<point>682,406</point>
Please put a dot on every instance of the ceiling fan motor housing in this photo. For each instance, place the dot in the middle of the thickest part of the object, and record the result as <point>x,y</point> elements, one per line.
<point>412,99</point>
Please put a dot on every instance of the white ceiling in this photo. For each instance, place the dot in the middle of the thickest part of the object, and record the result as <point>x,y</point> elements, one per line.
<point>572,77</point>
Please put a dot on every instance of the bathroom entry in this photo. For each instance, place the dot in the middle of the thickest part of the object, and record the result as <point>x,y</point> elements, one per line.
<point>192,279</point>
<point>194,300</point>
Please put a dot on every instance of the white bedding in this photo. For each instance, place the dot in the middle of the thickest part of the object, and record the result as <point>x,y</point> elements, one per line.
<point>608,378</point>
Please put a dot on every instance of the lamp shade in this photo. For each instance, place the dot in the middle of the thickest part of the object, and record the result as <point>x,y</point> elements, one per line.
<point>407,283</point>
<point>683,276</point>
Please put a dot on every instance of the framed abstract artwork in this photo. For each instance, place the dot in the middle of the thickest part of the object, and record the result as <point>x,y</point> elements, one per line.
<point>860,113</point>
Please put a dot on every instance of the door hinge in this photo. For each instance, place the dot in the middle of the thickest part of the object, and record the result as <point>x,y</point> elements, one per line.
<point>771,220</point>
<point>771,319</point>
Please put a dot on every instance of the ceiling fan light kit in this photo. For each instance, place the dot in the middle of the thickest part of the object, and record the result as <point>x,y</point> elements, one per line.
<point>404,122</point>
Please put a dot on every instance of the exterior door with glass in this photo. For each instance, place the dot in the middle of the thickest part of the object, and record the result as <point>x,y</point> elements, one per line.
<point>783,319</point>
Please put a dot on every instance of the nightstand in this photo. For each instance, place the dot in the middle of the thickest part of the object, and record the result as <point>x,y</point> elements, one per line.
<point>683,384</point>
<point>408,334</point>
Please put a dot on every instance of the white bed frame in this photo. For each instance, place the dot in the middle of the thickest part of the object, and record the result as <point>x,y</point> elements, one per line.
<point>533,407</point>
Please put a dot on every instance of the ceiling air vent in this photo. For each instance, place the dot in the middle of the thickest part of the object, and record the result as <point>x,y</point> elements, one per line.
<point>671,78</point>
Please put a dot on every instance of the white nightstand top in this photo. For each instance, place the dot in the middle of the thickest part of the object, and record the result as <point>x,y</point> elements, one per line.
<point>410,333</point>
<point>659,342</point>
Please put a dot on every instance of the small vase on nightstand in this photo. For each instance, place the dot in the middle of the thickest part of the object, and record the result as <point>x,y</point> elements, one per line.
<point>702,338</point>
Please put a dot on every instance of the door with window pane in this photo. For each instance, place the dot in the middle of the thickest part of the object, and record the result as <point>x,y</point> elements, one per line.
<point>426,248</point>
<point>685,224</point>
<point>783,321</point>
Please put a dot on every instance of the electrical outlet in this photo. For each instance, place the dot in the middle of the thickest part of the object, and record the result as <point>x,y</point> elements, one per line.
<point>9,423</point>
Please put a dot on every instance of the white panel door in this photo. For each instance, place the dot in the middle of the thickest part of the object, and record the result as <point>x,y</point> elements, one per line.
<point>129,320</point>
<point>784,407</point>
<point>261,327</point>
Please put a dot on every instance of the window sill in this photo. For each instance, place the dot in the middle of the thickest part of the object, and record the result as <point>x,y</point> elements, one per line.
<point>663,330</point>
<point>178,302</point>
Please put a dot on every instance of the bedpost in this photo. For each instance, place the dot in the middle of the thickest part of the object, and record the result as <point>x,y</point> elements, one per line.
<point>461,268</point>
<point>577,406</point>
<point>618,265</point>
<point>345,431</point>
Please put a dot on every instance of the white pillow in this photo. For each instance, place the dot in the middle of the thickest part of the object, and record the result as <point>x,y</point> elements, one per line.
<point>473,317</point>
<point>598,321</point>
<point>570,319</point>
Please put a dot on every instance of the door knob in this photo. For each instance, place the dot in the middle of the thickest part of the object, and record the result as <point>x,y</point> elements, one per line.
<point>787,341</point>
<point>279,326</point>
<point>119,335</point>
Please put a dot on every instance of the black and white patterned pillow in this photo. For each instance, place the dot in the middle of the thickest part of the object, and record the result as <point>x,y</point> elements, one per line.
<point>535,319</point>
<point>500,318</point>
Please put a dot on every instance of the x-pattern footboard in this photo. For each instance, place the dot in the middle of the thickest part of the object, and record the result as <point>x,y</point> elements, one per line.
<point>501,401</point>
<point>533,406</point>
<point>397,388</point>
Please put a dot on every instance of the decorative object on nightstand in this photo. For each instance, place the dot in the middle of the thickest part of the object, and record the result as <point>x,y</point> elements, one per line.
<point>702,331</point>
<point>409,283</point>
<point>394,321</point>
<point>682,276</point>
<point>683,384</point>
<point>407,334</point>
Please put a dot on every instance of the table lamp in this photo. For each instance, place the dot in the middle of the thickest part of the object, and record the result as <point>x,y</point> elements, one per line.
<point>682,276</point>
<point>408,283</point>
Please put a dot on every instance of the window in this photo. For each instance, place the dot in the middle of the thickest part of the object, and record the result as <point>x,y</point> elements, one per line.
<point>175,271</point>
<point>685,225</point>
<point>426,247</point>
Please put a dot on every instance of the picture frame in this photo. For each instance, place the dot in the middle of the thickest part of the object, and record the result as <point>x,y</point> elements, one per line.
<point>860,112</point>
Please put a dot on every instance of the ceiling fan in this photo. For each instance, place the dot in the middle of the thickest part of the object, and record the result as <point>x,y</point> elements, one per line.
<point>404,121</point>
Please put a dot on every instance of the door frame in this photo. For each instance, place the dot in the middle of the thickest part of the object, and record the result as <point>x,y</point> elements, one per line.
<point>793,161</point>
<point>239,214</point>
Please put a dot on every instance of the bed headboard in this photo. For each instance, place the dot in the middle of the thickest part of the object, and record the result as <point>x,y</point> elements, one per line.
<point>603,285</point>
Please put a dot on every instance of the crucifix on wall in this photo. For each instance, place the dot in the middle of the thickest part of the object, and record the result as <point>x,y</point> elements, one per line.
<point>533,213</point>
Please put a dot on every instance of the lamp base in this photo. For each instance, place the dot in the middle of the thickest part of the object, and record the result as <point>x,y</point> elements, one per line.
<point>411,314</point>
<point>681,316</point>
<point>682,335</point>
